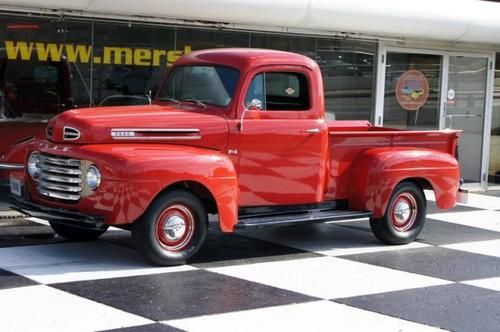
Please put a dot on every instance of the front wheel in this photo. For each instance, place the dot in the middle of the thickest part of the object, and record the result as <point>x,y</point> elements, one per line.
<point>404,217</point>
<point>172,229</point>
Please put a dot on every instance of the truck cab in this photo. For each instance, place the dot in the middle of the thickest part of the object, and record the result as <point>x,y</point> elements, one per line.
<point>239,133</point>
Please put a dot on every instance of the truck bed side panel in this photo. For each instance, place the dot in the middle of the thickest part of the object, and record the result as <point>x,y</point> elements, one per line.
<point>346,145</point>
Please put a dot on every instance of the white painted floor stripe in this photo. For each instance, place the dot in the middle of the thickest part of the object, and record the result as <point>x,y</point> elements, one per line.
<point>65,262</point>
<point>42,308</point>
<point>489,248</point>
<point>313,316</point>
<point>489,283</point>
<point>484,219</point>
<point>329,277</point>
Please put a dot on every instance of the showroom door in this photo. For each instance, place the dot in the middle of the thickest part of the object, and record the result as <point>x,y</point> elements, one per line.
<point>422,89</point>
<point>465,108</point>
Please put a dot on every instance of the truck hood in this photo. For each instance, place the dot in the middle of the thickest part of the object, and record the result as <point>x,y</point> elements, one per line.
<point>145,123</point>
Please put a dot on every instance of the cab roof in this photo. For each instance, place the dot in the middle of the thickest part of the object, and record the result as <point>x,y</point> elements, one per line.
<point>246,58</point>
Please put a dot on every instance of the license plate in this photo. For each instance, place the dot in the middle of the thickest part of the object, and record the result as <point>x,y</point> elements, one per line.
<point>15,186</point>
<point>462,196</point>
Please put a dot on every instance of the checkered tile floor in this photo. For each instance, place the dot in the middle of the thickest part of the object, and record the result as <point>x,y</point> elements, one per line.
<point>326,277</point>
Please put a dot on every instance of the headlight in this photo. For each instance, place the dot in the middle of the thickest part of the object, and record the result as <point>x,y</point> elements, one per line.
<point>93,178</point>
<point>33,169</point>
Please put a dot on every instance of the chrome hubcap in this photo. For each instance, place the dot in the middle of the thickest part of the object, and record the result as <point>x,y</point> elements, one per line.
<point>402,212</point>
<point>174,228</point>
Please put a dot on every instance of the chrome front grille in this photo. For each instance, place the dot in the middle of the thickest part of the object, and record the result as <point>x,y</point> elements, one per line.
<point>60,177</point>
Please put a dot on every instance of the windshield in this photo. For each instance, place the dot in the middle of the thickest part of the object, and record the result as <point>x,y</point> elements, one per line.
<point>202,84</point>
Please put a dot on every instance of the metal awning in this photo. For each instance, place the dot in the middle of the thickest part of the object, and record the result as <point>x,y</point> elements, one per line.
<point>444,20</point>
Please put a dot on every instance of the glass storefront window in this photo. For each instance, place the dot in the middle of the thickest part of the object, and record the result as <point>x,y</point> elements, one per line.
<point>40,69</point>
<point>130,60</point>
<point>414,103</point>
<point>494,167</point>
<point>465,107</point>
<point>108,62</point>
<point>348,77</point>
<point>198,39</point>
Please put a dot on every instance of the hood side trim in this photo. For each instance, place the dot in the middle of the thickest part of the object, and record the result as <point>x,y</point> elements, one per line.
<point>156,133</point>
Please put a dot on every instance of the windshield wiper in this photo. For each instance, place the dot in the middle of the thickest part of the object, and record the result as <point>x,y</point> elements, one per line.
<point>169,99</point>
<point>196,101</point>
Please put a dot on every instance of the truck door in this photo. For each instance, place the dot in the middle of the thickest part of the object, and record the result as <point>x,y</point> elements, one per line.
<point>283,138</point>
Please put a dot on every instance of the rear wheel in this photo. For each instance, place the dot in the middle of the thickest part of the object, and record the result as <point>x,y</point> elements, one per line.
<point>172,229</point>
<point>404,217</point>
<point>76,233</point>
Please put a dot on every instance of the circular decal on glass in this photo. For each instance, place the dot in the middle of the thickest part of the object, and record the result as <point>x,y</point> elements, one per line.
<point>412,90</point>
<point>451,94</point>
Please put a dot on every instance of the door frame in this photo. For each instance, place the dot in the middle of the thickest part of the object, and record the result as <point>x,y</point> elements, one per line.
<point>490,77</point>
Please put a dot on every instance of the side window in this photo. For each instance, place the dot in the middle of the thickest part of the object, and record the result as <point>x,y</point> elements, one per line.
<point>255,93</point>
<point>279,91</point>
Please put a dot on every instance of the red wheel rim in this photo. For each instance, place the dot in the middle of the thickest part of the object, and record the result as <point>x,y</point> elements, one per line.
<point>403,212</point>
<point>175,227</point>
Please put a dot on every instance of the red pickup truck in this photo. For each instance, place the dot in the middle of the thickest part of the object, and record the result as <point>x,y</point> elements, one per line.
<point>240,133</point>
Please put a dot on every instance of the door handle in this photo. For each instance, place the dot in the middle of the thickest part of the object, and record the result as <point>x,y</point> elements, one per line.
<point>312,131</point>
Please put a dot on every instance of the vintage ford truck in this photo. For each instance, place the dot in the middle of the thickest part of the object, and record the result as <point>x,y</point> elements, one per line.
<point>240,133</point>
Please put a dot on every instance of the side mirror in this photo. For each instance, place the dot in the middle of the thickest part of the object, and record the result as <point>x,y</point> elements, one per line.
<point>255,105</point>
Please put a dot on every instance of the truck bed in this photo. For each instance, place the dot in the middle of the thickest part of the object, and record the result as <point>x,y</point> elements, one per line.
<point>348,138</point>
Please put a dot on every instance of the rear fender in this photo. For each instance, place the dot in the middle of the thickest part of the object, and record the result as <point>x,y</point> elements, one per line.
<point>376,172</point>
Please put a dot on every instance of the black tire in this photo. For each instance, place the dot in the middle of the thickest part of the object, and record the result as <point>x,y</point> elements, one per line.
<point>77,233</point>
<point>188,222</point>
<point>397,228</point>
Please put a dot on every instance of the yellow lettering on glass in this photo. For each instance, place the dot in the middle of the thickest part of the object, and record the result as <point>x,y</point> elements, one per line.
<point>111,55</point>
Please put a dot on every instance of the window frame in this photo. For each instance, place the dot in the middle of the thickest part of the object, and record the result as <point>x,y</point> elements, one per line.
<point>305,72</point>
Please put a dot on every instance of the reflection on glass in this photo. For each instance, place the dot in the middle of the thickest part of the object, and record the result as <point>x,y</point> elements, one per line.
<point>465,111</point>
<point>131,59</point>
<point>494,167</point>
<point>348,78</point>
<point>213,85</point>
<point>397,113</point>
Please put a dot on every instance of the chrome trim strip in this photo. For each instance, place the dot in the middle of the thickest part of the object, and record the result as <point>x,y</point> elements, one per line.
<point>47,168</point>
<point>62,179</point>
<point>160,130</point>
<point>167,138</point>
<point>58,195</point>
<point>60,187</point>
<point>156,130</point>
<point>9,166</point>
<point>59,161</point>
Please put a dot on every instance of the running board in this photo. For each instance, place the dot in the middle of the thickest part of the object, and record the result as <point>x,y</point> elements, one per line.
<point>315,216</point>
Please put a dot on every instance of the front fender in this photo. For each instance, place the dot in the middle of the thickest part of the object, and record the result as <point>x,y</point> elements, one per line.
<point>376,172</point>
<point>134,174</point>
<point>172,164</point>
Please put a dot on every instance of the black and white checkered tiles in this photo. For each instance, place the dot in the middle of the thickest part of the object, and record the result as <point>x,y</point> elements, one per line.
<point>326,277</point>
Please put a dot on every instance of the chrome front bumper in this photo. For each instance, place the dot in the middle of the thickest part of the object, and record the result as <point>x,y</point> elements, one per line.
<point>43,212</point>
